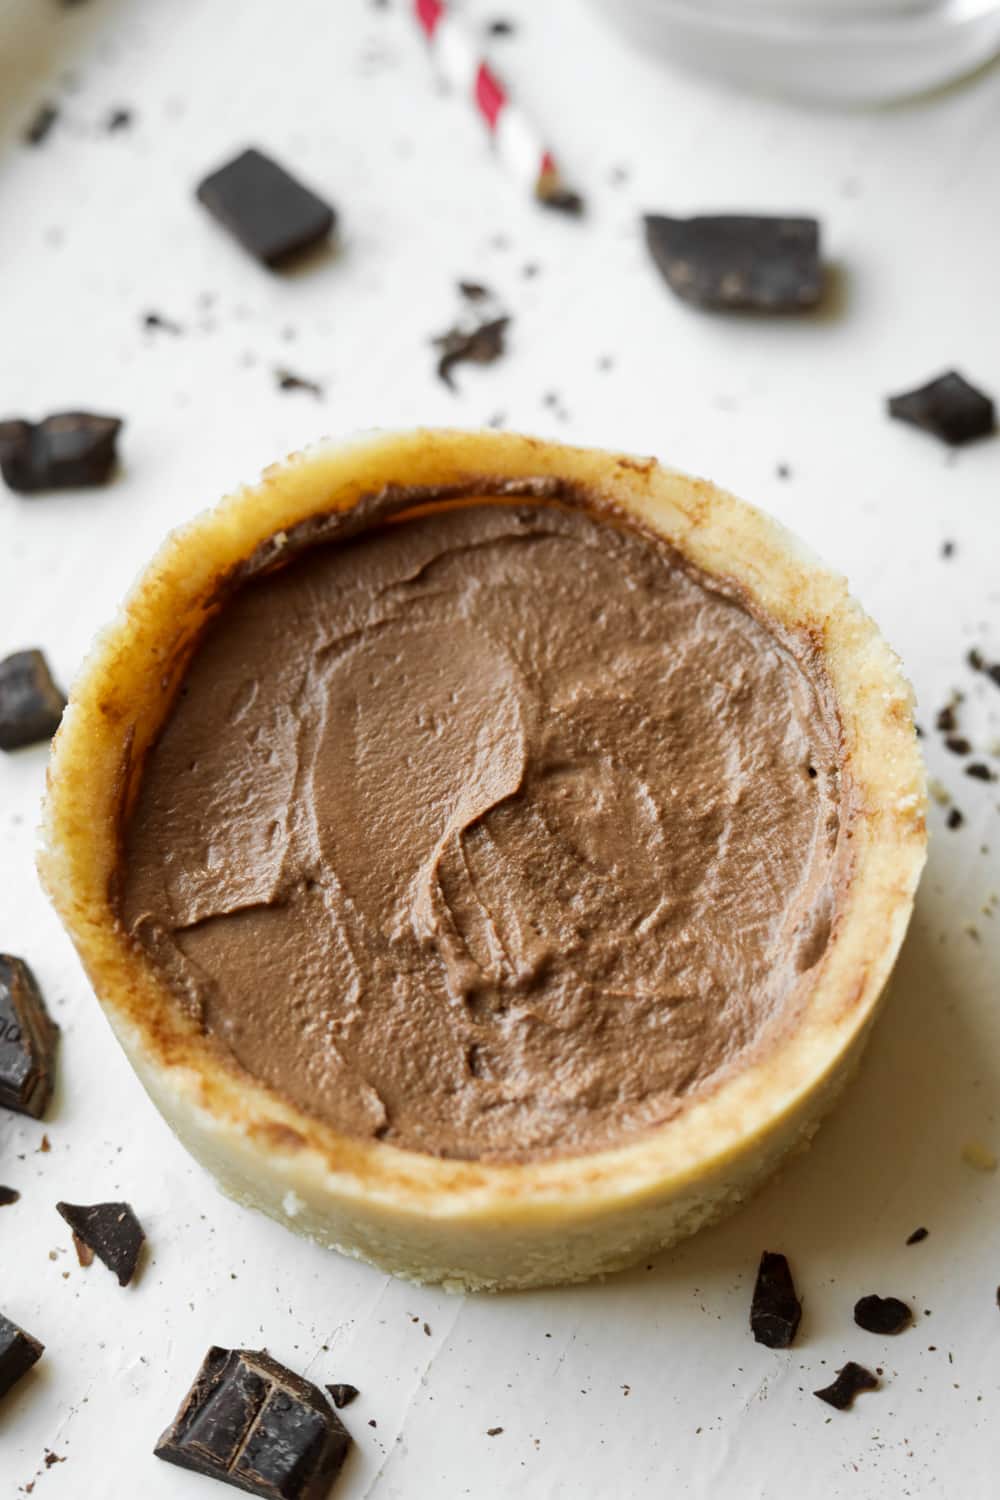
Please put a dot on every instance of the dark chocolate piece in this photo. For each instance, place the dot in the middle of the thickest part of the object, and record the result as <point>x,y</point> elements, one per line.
<point>478,346</point>
<point>946,720</point>
<point>958,744</point>
<point>30,703</point>
<point>882,1314</point>
<point>343,1395</point>
<point>18,1352</point>
<point>40,124</point>
<point>739,261</point>
<point>949,408</point>
<point>265,208</point>
<point>955,819</point>
<point>8,1195</point>
<point>111,1230</point>
<point>27,1040</point>
<point>289,382</point>
<point>850,1382</point>
<point>980,771</point>
<point>68,450</point>
<point>493,1431</point>
<point>118,119</point>
<point>775,1310</point>
<point>256,1425</point>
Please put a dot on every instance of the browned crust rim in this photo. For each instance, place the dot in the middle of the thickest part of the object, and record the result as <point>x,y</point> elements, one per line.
<point>124,691</point>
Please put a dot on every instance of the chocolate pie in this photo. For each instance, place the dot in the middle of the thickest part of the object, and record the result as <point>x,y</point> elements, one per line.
<point>489,853</point>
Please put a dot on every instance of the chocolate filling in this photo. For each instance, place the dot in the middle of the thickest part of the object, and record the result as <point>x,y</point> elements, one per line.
<point>491,829</point>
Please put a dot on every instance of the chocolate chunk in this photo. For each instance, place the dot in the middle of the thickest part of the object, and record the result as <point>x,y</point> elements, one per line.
<point>111,1230</point>
<point>253,1424</point>
<point>40,124</point>
<point>739,261</point>
<point>882,1314</point>
<point>266,209</point>
<point>850,1382</point>
<point>958,744</point>
<point>980,771</point>
<point>30,703</point>
<point>18,1352</point>
<point>949,408</point>
<point>289,382</point>
<point>775,1310</point>
<point>955,819</point>
<point>68,450</point>
<point>27,1040</point>
<point>8,1195</point>
<point>343,1395</point>
<point>946,720</point>
<point>478,346</point>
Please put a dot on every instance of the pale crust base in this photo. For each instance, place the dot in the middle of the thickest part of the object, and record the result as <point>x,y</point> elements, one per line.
<point>473,1224</point>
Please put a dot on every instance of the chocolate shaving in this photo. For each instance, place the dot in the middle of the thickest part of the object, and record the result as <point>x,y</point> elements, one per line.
<point>850,1382</point>
<point>949,408</point>
<point>739,262</point>
<point>68,450</point>
<point>18,1352</point>
<point>31,705</point>
<point>28,1038</point>
<point>111,1231</point>
<point>342,1395</point>
<point>266,209</point>
<point>775,1310</point>
<point>479,346</point>
<point>882,1314</point>
<point>252,1423</point>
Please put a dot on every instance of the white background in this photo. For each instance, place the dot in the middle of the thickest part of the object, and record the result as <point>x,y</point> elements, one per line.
<point>647,1386</point>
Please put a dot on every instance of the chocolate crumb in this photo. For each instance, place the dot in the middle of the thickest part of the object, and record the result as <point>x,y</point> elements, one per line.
<point>493,1431</point>
<point>474,291</point>
<point>52,1458</point>
<point>8,1195</point>
<point>427,1329</point>
<point>563,201</point>
<point>500,27</point>
<point>372,1422</point>
<point>112,1232</point>
<point>949,408</point>
<point>157,323</point>
<point>947,549</point>
<point>958,744</point>
<point>783,471</point>
<point>976,660</point>
<point>31,705</point>
<point>955,819</point>
<point>775,1310</point>
<point>289,382</point>
<point>342,1395</point>
<point>980,771</point>
<point>40,124</point>
<point>118,119</point>
<point>480,346</point>
<point>84,1253</point>
<point>850,1382</point>
<point>946,720</point>
<point>882,1314</point>
<point>44,1145</point>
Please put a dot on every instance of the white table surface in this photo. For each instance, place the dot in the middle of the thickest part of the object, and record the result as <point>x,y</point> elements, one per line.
<point>648,1385</point>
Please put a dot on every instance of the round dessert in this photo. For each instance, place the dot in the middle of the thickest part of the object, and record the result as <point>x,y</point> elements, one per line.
<point>494,852</point>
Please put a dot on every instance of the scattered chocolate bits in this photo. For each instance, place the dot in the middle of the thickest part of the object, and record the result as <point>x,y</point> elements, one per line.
<point>289,382</point>
<point>272,215</point>
<point>478,346</point>
<point>155,322</point>
<point>954,820</point>
<point>474,291</point>
<point>493,1431</point>
<point>775,1310</point>
<point>256,1425</point>
<point>949,408</point>
<point>84,1254</point>
<point>68,450</point>
<point>8,1195</point>
<point>958,744</point>
<point>343,1395</point>
<point>27,1040</point>
<point>850,1382</point>
<point>946,720</point>
<point>111,1231</point>
<point>119,119</point>
<point>882,1314</point>
<point>500,27</point>
<point>736,261</point>
<point>563,201</point>
<point>40,124</point>
<point>18,1352</point>
<point>980,771</point>
<point>30,703</point>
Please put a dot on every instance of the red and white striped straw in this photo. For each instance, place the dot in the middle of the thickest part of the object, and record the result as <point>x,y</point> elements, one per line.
<point>518,144</point>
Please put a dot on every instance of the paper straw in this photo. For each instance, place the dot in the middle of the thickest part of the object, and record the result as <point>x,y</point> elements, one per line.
<point>517,142</point>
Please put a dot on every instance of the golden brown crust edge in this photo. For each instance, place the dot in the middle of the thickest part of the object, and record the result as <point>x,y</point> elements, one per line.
<point>473,1223</point>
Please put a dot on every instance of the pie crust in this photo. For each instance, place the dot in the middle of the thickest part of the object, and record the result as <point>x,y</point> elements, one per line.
<point>472,1224</point>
